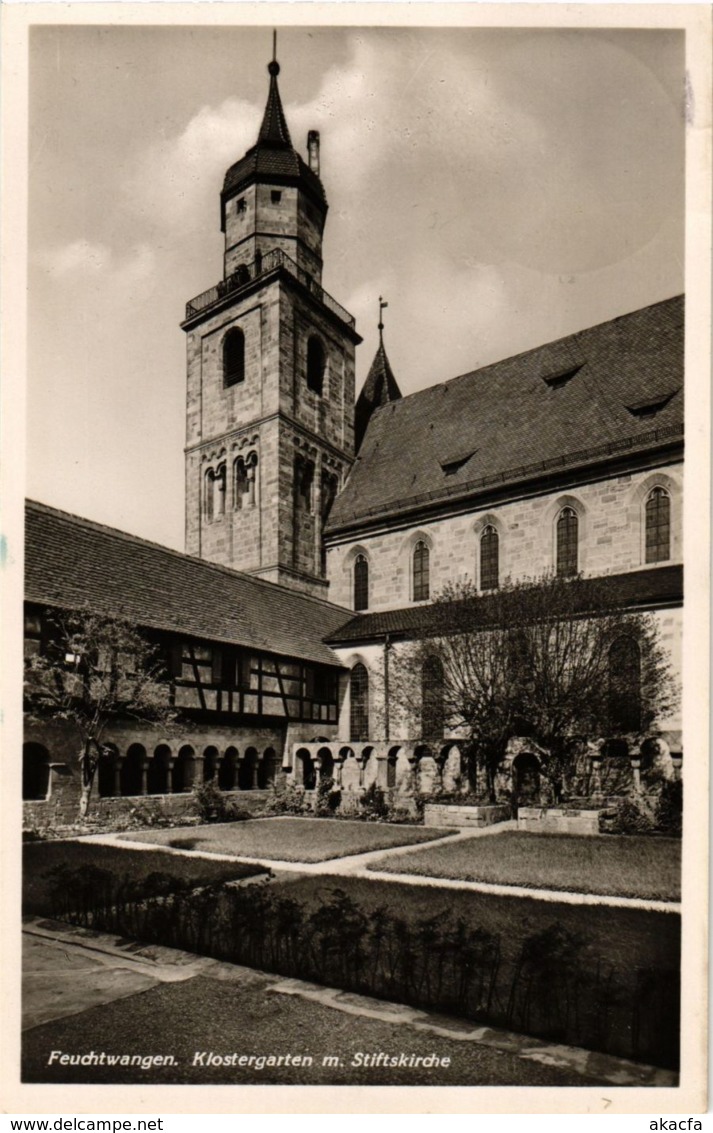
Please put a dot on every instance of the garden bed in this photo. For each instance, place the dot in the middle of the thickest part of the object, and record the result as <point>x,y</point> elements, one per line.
<point>42,858</point>
<point>290,839</point>
<point>622,866</point>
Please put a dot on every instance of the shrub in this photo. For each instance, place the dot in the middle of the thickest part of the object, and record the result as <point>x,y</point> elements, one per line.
<point>373,804</point>
<point>669,808</point>
<point>212,805</point>
<point>329,796</point>
<point>291,800</point>
<point>631,816</point>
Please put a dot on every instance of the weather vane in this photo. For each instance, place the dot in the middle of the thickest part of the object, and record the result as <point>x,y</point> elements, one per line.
<point>382,304</point>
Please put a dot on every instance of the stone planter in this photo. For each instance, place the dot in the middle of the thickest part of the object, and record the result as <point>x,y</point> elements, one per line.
<point>450,814</point>
<point>557,820</point>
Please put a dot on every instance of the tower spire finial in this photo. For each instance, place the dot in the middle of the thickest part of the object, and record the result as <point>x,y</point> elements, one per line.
<point>273,66</point>
<point>382,304</point>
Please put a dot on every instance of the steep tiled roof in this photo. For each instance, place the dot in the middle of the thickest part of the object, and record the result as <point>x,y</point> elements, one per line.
<point>72,563</point>
<point>648,589</point>
<point>614,388</point>
<point>273,157</point>
<point>379,388</point>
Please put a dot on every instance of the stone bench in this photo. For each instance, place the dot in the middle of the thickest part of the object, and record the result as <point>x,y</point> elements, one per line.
<point>448,814</point>
<point>557,820</point>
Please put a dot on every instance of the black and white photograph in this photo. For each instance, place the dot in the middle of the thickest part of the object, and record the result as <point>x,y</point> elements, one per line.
<point>357,687</point>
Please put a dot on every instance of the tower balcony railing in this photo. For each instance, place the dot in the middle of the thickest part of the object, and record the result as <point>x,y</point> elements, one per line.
<point>245,274</point>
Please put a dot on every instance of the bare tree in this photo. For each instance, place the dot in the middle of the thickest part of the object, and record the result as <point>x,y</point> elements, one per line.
<point>557,660</point>
<point>94,670</point>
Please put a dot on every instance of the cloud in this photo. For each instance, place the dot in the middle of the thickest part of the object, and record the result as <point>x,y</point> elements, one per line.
<point>83,261</point>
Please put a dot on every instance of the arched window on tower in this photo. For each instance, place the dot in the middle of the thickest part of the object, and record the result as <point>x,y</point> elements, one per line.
<point>208,493</point>
<point>359,704</point>
<point>432,715</point>
<point>244,479</point>
<point>315,365</point>
<point>421,572</point>
<point>489,558</point>
<point>233,357</point>
<point>361,583</point>
<point>658,526</point>
<point>624,685</point>
<point>567,542</point>
<point>219,486</point>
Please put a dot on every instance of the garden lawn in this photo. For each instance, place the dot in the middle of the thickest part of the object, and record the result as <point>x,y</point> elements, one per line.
<point>290,839</point>
<point>40,858</point>
<point>623,866</point>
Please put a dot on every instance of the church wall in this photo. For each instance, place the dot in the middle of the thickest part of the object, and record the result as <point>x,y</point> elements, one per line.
<point>610,539</point>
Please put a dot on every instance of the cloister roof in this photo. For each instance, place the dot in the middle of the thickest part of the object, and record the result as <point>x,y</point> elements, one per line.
<point>72,563</point>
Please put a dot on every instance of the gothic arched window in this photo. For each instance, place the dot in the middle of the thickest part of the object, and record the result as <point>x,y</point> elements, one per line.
<point>361,583</point>
<point>315,365</point>
<point>359,704</point>
<point>624,685</point>
<point>658,526</point>
<point>489,558</point>
<point>208,493</point>
<point>432,716</point>
<point>421,572</point>
<point>567,541</point>
<point>233,357</point>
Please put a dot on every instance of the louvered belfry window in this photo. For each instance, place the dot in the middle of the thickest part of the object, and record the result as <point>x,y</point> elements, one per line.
<point>489,558</point>
<point>421,572</point>
<point>361,583</point>
<point>567,540</point>
<point>658,526</point>
<point>233,357</point>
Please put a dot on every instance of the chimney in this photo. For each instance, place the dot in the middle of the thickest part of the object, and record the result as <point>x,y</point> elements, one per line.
<point>313,150</point>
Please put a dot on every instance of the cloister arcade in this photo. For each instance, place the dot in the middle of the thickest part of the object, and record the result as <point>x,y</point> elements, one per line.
<point>159,770</point>
<point>411,767</point>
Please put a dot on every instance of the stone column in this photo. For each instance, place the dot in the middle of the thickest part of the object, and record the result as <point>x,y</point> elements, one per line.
<point>677,761</point>
<point>198,770</point>
<point>636,774</point>
<point>145,777</point>
<point>596,761</point>
<point>169,776</point>
<point>253,775</point>
<point>116,789</point>
<point>338,761</point>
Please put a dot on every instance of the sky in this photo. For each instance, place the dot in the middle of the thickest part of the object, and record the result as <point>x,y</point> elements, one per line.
<point>499,187</point>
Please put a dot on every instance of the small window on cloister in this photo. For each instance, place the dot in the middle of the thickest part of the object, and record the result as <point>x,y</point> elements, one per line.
<point>489,558</point>
<point>658,526</point>
<point>421,572</point>
<point>361,583</point>
<point>359,704</point>
<point>624,685</point>
<point>567,542</point>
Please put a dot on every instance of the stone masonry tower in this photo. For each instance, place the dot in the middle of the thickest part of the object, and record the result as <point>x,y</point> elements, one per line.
<point>270,400</point>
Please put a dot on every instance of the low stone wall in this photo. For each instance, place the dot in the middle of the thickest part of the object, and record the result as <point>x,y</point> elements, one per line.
<point>116,812</point>
<point>446,814</point>
<point>556,820</point>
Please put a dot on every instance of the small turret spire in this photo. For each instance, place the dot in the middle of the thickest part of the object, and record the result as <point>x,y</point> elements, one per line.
<point>379,388</point>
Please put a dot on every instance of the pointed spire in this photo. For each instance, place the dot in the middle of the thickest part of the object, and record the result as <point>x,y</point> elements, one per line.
<point>274,131</point>
<point>379,388</point>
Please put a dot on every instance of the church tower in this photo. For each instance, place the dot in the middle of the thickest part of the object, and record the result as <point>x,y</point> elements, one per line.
<point>270,397</point>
